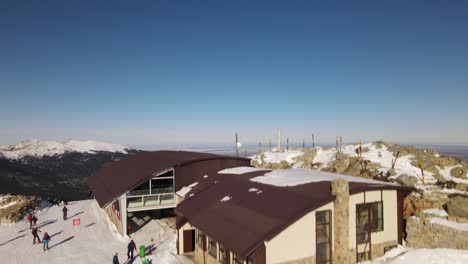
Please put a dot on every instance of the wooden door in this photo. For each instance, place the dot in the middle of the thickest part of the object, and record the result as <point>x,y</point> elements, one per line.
<point>189,240</point>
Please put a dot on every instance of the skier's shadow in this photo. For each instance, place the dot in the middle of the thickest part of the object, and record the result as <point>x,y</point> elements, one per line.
<point>75,215</point>
<point>63,241</point>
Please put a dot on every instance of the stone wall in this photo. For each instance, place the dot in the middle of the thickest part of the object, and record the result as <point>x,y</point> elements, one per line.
<point>340,189</point>
<point>422,233</point>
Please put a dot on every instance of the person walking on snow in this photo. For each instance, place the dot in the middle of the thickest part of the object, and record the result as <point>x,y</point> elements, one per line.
<point>30,219</point>
<point>34,232</point>
<point>64,210</point>
<point>45,241</point>
<point>115,259</point>
<point>34,220</point>
<point>130,248</point>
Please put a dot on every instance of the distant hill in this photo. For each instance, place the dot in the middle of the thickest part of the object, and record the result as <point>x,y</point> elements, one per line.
<point>53,168</point>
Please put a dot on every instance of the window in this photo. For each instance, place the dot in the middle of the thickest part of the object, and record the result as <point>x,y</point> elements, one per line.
<point>376,216</point>
<point>323,237</point>
<point>212,248</point>
<point>200,240</point>
<point>223,254</point>
<point>236,259</point>
<point>143,189</point>
<point>162,186</point>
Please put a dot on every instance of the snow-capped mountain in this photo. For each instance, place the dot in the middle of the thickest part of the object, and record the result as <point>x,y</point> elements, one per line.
<point>55,168</point>
<point>42,148</point>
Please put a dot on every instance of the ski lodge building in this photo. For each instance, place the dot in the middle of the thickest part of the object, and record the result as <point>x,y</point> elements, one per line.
<point>148,182</point>
<point>249,215</point>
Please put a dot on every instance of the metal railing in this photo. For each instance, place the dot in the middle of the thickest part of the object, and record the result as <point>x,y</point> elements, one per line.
<point>150,200</point>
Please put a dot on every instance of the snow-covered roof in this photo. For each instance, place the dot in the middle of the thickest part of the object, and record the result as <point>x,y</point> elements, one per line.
<point>240,170</point>
<point>293,177</point>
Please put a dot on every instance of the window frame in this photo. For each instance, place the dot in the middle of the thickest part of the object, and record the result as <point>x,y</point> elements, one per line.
<point>212,248</point>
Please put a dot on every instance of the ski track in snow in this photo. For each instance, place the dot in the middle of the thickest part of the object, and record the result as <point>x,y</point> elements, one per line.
<point>94,241</point>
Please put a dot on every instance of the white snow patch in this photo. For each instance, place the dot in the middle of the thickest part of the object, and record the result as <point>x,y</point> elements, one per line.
<point>40,148</point>
<point>253,190</point>
<point>454,225</point>
<point>403,255</point>
<point>277,157</point>
<point>293,177</point>
<point>206,176</point>
<point>240,170</point>
<point>186,189</point>
<point>8,204</point>
<point>435,212</point>
<point>226,198</point>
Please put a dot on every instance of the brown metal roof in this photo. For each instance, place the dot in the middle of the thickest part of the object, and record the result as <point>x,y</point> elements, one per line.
<point>244,222</point>
<point>118,177</point>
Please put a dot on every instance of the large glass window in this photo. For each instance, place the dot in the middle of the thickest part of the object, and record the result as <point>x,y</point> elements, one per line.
<point>162,186</point>
<point>143,189</point>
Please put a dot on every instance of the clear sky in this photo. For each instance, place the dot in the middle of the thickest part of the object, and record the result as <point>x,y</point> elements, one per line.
<point>178,72</point>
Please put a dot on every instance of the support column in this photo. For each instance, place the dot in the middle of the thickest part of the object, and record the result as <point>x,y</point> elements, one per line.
<point>340,189</point>
<point>123,214</point>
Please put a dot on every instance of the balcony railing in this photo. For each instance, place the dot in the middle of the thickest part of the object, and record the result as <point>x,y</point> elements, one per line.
<point>151,200</point>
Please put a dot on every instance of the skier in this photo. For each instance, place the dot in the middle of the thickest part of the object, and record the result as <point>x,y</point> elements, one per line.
<point>45,241</point>
<point>34,220</point>
<point>30,219</point>
<point>34,232</point>
<point>130,248</point>
<point>64,210</point>
<point>115,259</point>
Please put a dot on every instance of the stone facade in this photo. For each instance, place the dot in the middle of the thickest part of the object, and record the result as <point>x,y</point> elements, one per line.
<point>378,250</point>
<point>422,233</point>
<point>340,189</point>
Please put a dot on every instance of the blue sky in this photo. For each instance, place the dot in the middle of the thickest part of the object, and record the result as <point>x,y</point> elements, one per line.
<point>180,72</point>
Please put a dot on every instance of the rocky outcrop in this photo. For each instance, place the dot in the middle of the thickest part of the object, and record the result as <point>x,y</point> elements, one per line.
<point>458,206</point>
<point>406,180</point>
<point>15,207</point>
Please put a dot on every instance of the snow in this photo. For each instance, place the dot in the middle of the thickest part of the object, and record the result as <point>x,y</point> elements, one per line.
<point>451,224</point>
<point>226,199</point>
<point>253,190</point>
<point>206,176</point>
<point>402,255</point>
<point>94,241</point>
<point>293,177</point>
<point>240,170</point>
<point>8,205</point>
<point>186,189</point>
<point>39,148</point>
<point>276,157</point>
<point>446,174</point>
<point>435,212</point>
<point>382,156</point>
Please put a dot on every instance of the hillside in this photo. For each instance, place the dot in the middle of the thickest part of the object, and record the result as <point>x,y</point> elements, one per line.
<point>52,168</point>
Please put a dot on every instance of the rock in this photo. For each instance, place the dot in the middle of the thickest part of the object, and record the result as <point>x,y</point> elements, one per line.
<point>406,180</point>
<point>341,165</point>
<point>458,206</point>
<point>458,172</point>
<point>440,178</point>
<point>462,186</point>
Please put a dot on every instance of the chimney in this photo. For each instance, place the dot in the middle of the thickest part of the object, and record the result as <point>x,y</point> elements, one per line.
<point>340,189</point>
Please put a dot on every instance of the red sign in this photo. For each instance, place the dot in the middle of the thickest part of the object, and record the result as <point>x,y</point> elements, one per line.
<point>76,221</point>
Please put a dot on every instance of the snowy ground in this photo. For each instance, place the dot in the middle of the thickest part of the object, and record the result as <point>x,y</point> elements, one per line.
<point>402,255</point>
<point>94,241</point>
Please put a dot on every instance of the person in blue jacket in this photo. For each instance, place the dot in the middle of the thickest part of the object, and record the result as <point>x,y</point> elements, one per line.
<point>45,241</point>
<point>130,248</point>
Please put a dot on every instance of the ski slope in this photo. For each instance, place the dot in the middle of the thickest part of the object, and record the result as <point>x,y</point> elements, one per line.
<point>94,241</point>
